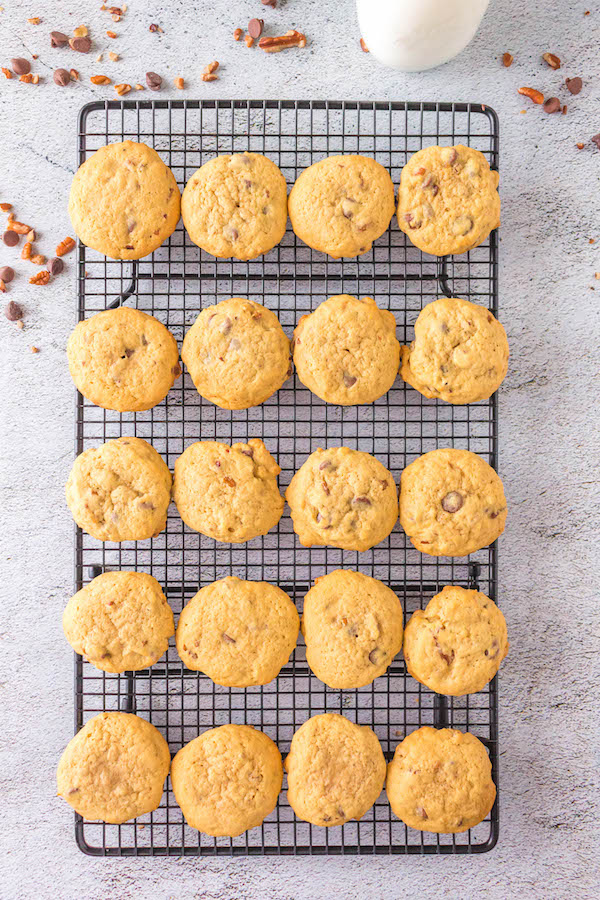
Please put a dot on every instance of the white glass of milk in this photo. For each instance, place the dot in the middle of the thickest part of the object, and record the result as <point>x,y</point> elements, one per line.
<point>414,35</point>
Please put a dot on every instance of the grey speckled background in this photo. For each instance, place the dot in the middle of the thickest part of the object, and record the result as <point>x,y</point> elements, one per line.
<point>549,582</point>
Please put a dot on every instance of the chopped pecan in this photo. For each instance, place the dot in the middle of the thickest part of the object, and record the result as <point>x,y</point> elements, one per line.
<point>248,40</point>
<point>111,34</point>
<point>26,251</point>
<point>99,79</point>
<point>363,46</point>
<point>42,277</point>
<point>534,95</point>
<point>281,42</point>
<point>65,246</point>
<point>27,78</point>
<point>122,89</point>
<point>5,206</point>
<point>210,68</point>
<point>237,34</point>
<point>80,31</point>
<point>113,56</point>
<point>179,83</point>
<point>35,20</point>
<point>6,72</point>
<point>552,60</point>
<point>507,59</point>
<point>38,260</point>
<point>31,235</point>
<point>74,74</point>
<point>19,227</point>
<point>209,77</point>
<point>139,87</point>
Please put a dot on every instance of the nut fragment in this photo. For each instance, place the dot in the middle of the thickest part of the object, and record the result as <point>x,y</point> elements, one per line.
<point>26,251</point>
<point>534,95</point>
<point>113,56</point>
<point>507,59</point>
<point>80,31</point>
<point>74,74</point>
<point>363,46</point>
<point>58,39</point>
<point>210,68</point>
<point>237,34</point>
<point>580,146</point>
<point>38,259</point>
<point>574,85</point>
<point>5,206</point>
<point>122,89</point>
<point>179,83</point>
<point>35,20</point>
<point>207,77</point>
<point>13,311</point>
<point>26,79</point>
<point>552,105</point>
<point>35,349</point>
<point>6,72</point>
<point>42,277</point>
<point>111,34</point>
<point>289,39</point>
<point>99,79</point>
<point>248,40</point>
<point>65,246</point>
<point>62,77</point>
<point>452,502</point>
<point>271,3</point>
<point>552,60</point>
<point>20,66</point>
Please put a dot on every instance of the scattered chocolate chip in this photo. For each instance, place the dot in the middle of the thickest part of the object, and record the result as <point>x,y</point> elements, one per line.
<point>361,501</point>
<point>11,238</point>
<point>349,380</point>
<point>20,66</point>
<point>596,140</point>
<point>13,311</point>
<point>81,44</point>
<point>574,85</point>
<point>255,28</point>
<point>55,265</point>
<point>58,39</point>
<point>62,77</point>
<point>7,274</point>
<point>552,105</point>
<point>227,639</point>
<point>271,3</point>
<point>452,502</point>
<point>153,81</point>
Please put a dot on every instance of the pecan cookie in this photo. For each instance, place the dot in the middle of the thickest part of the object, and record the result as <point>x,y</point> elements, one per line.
<point>239,633</point>
<point>346,351</point>
<point>448,200</point>
<point>440,781</point>
<point>236,206</point>
<point>114,769</point>
<point>341,204</point>
<point>342,498</point>
<point>451,503</point>
<point>459,354</point>
<point>124,201</point>
<point>335,770</point>
<point>456,644</point>
<point>227,780</point>
<point>228,493</point>
<point>123,359</point>
<point>120,491</point>
<point>352,625</point>
<point>237,353</point>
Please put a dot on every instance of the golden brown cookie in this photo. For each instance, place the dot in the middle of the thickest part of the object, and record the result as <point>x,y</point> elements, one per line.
<point>346,351</point>
<point>451,503</point>
<point>440,781</point>
<point>124,201</point>
<point>448,200</point>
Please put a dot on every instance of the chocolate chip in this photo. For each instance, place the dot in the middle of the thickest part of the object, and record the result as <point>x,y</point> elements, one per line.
<point>62,77</point>
<point>552,105</point>
<point>11,238</point>
<point>376,656</point>
<point>175,370</point>
<point>227,639</point>
<point>20,66</point>
<point>451,157</point>
<point>325,465</point>
<point>58,39</point>
<point>419,811</point>
<point>7,274</point>
<point>255,28</point>
<point>349,380</point>
<point>153,81</point>
<point>13,311</point>
<point>574,85</point>
<point>341,812</point>
<point>384,484</point>
<point>596,140</point>
<point>129,352</point>
<point>225,326</point>
<point>146,505</point>
<point>452,502</point>
<point>361,501</point>
<point>143,338</point>
<point>55,265</point>
<point>81,44</point>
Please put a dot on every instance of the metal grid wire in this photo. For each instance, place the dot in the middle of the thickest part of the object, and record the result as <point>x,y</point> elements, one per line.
<point>173,285</point>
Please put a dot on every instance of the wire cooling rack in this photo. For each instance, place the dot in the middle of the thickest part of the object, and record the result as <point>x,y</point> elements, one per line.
<point>174,284</point>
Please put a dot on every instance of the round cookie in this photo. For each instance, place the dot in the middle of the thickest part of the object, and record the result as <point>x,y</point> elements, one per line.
<point>448,200</point>
<point>335,770</point>
<point>120,621</point>
<point>236,206</point>
<point>123,359</point>
<point>342,498</point>
<point>451,503</point>
<point>237,353</point>
<point>346,351</point>
<point>228,493</point>
<point>120,491</point>
<point>440,781</point>
<point>239,633</point>
<point>124,201</point>
<point>456,644</point>
<point>114,768</point>
<point>352,625</point>
<point>459,354</point>
<point>227,780</point>
<point>341,204</point>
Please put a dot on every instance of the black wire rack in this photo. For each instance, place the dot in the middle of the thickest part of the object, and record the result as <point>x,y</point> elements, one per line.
<point>174,284</point>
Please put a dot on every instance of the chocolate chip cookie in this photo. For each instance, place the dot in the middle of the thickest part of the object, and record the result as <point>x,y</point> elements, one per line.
<point>237,353</point>
<point>448,200</point>
<point>342,498</point>
<point>451,503</point>
<point>440,781</point>
<point>341,204</point>
<point>346,351</point>
<point>352,625</point>
<point>124,201</point>
<point>236,206</point>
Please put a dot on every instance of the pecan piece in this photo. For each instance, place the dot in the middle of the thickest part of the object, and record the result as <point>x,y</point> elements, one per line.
<point>289,39</point>
<point>507,59</point>
<point>237,34</point>
<point>534,95</point>
<point>100,79</point>
<point>42,277</point>
<point>179,83</point>
<point>363,46</point>
<point>65,246</point>
<point>26,251</point>
<point>552,60</point>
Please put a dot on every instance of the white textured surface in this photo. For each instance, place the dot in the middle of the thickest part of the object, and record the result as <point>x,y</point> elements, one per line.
<point>549,440</point>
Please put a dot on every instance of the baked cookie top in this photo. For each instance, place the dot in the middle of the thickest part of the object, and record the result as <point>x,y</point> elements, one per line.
<point>451,503</point>
<point>123,359</point>
<point>342,498</point>
<point>237,353</point>
<point>459,354</point>
<point>239,633</point>
<point>114,768</point>
<point>236,206</point>
<point>456,644</point>
<point>440,781</point>
<point>352,625</point>
<point>119,622</point>
<point>335,770</point>
<point>448,200</point>
<point>227,780</point>
<point>228,493</point>
<point>120,491</point>
<point>124,201</point>
<point>341,204</point>
<point>346,351</point>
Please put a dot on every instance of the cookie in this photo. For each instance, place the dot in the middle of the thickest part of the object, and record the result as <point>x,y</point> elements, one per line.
<point>440,781</point>
<point>352,625</point>
<point>237,353</point>
<point>448,200</point>
<point>120,621</point>
<point>123,359</point>
<point>227,780</point>
<point>459,354</point>
<point>335,770</point>
<point>342,498</point>
<point>346,351</point>
<point>120,491</point>
<point>124,201</point>
<point>236,206</point>
<point>114,768</point>
<point>341,204</point>
<point>451,503</point>
<point>228,493</point>
<point>239,633</point>
<point>456,644</point>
